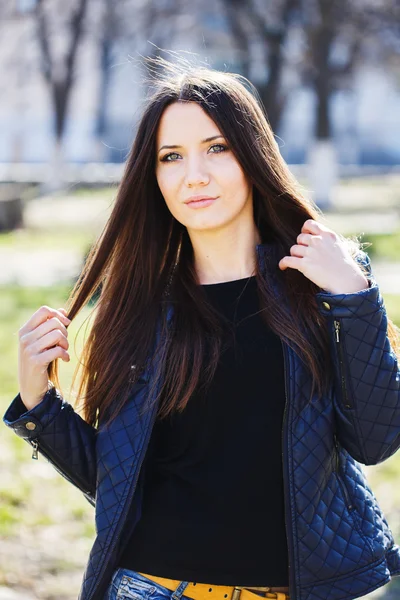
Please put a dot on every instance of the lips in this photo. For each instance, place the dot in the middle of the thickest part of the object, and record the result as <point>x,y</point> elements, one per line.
<point>199,199</point>
<point>201,203</point>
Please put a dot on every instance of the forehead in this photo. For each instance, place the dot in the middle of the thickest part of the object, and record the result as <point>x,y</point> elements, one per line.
<point>184,120</point>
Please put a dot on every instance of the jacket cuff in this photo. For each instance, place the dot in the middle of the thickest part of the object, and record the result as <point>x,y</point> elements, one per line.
<point>28,424</point>
<point>357,304</point>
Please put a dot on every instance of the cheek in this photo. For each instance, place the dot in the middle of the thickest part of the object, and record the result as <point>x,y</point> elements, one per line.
<point>236,183</point>
<point>230,173</point>
<point>168,188</point>
<point>167,183</point>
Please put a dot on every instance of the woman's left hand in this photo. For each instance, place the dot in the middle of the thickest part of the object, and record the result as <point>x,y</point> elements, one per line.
<point>324,259</point>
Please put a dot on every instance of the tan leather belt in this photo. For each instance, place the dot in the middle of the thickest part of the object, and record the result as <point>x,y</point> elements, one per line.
<point>205,591</point>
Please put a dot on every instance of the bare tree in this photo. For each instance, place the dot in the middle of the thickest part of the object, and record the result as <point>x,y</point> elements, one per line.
<point>60,78</point>
<point>338,35</point>
<point>163,21</point>
<point>126,28</point>
<point>17,71</point>
<point>238,22</point>
<point>329,26</point>
<point>269,24</point>
<point>109,34</point>
<point>59,74</point>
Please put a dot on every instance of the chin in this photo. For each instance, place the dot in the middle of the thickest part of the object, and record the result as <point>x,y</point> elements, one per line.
<point>208,225</point>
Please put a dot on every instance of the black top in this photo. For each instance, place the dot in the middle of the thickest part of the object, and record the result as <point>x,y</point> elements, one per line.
<point>213,506</point>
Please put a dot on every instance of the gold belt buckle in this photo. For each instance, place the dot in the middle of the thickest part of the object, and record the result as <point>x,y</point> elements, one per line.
<point>238,590</point>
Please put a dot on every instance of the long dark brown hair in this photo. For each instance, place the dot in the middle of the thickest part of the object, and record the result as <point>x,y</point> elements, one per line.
<point>143,260</point>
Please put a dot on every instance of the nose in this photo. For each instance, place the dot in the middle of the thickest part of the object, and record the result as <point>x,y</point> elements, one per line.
<point>196,173</point>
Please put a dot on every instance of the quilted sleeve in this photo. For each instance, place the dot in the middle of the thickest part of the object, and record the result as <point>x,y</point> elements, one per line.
<point>57,432</point>
<point>367,377</point>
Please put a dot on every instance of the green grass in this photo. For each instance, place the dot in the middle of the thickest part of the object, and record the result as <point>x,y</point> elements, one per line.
<point>383,246</point>
<point>97,192</point>
<point>15,495</point>
<point>9,518</point>
<point>392,304</point>
<point>39,239</point>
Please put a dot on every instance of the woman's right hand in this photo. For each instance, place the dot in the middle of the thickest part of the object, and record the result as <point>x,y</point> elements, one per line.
<point>42,339</point>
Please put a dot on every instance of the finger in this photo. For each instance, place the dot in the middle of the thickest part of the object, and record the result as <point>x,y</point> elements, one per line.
<point>64,312</point>
<point>291,262</point>
<point>46,312</point>
<point>318,229</point>
<point>48,341</point>
<point>52,324</point>
<point>57,352</point>
<point>41,316</point>
<point>312,226</point>
<point>304,238</point>
<point>298,250</point>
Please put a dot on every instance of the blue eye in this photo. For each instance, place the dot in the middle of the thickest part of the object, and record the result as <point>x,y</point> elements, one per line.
<point>166,157</point>
<point>221,146</point>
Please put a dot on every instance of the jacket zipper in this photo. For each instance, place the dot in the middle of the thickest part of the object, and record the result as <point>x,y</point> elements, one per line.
<point>35,449</point>
<point>76,482</point>
<point>292,585</point>
<point>132,489</point>
<point>129,498</point>
<point>339,346</point>
<point>342,484</point>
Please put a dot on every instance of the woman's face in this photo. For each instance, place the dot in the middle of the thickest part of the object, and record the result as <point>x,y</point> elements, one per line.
<point>199,166</point>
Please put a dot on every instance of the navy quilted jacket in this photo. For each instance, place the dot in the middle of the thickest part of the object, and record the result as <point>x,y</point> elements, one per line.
<point>340,544</point>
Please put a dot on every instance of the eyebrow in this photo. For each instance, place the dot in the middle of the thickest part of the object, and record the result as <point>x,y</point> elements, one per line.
<point>209,139</point>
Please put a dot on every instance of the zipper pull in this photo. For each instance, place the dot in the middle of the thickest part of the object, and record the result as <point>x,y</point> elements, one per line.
<point>337,327</point>
<point>337,453</point>
<point>35,450</point>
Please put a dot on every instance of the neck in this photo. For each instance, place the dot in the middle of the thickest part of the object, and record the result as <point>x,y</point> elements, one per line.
<point>225,256</point>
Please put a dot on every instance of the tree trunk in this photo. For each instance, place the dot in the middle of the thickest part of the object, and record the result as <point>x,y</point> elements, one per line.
<point>56,176</point>
<point>100,149</point>
<point>323,171</point>
<point>60,80</point>
<point>322,155</point>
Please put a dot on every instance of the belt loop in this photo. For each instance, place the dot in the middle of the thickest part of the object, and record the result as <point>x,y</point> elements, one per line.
<point>176,595</point>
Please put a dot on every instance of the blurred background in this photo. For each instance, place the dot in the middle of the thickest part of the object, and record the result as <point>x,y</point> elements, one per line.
<point>72,87</point>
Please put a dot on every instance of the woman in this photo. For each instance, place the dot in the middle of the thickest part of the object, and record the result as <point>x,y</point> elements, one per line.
<point>240,367</point>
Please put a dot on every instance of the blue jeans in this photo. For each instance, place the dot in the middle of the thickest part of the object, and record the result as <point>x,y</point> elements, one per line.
<point>130,585</point>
